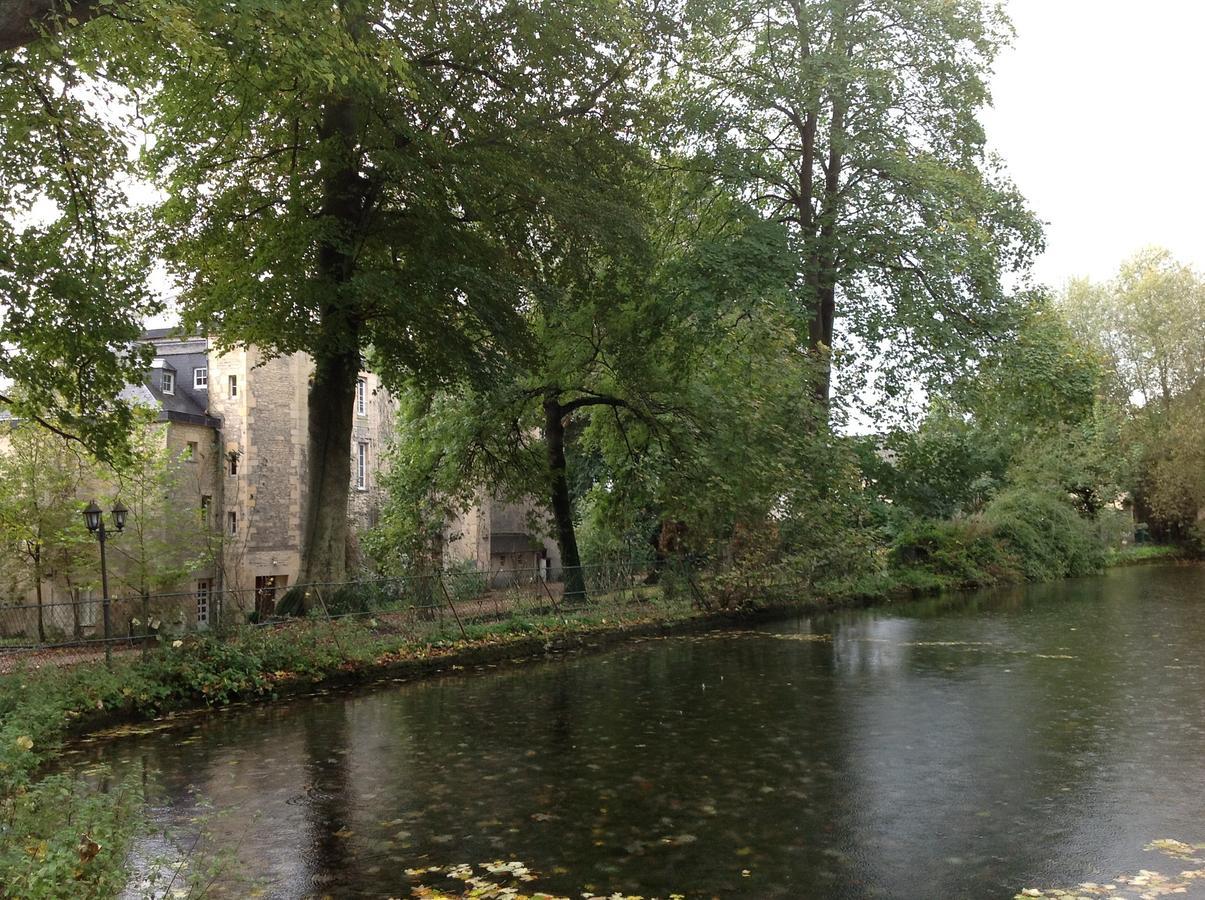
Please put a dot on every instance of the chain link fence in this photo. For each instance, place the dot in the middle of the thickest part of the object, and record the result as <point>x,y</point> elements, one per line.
<point>447,601</point>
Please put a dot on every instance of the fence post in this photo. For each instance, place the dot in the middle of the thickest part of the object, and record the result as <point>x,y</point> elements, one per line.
<point>452,607</point>
<point>329,621</point>
<point>146,621</point>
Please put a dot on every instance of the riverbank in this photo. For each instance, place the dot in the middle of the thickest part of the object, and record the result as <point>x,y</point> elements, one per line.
<point>61,838</point>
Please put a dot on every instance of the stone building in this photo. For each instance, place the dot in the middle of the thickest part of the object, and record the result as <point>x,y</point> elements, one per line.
<point>507,539</point>
<point>237,423</point>
<point>257,418</point>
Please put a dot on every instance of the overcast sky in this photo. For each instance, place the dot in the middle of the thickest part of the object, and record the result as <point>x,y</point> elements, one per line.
<point>1098,111</point>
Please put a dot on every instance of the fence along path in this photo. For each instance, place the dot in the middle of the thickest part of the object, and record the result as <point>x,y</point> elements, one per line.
<point>66,632</point>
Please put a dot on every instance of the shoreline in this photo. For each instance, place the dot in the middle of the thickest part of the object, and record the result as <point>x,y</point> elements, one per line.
<point>57,709</point>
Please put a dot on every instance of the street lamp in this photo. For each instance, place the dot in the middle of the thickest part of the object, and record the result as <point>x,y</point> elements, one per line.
<point>95,521</point>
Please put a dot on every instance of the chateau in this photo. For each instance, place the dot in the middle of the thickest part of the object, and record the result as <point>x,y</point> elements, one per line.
<point>236,424</point>
<point>240,418</point>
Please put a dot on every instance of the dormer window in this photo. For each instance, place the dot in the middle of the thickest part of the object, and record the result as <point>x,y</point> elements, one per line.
<point>167,382</point>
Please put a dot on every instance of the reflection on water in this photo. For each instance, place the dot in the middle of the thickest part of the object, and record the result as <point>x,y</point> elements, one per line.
<point>961,747</point>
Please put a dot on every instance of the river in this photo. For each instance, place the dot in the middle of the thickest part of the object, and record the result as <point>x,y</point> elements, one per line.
<point>965,746</point>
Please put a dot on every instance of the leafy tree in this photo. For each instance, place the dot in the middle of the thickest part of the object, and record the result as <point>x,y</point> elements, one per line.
<point>41,473</point>
<point>73,292</point>
<point>1032,413</point>
<point>855,124</point>
<point>165,537</point>
<point>1146,323</point>
<point>366,175</point>
<point>622,314</point>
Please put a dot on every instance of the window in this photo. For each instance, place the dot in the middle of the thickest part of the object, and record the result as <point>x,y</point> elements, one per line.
<point>193,450</point>
<point>232,518</point>
<point>206,503</point>
<point>233,386</point>
<point>203,588</point>
<point>362,466</point>
<point>361,399</point>
<point>167,381</point>
<point>200,378</point>
<point>232,458</point>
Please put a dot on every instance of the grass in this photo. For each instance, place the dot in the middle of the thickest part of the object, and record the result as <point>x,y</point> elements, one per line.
<point>1143,553</point>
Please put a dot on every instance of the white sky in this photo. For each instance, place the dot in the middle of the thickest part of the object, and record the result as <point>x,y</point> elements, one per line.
<point>1098,114</point>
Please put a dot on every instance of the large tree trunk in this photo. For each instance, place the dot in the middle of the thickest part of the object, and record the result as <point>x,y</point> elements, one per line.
<point>562,504</point>
<point>331,411</point>
<point>826,262</point>
<point>336,355</point>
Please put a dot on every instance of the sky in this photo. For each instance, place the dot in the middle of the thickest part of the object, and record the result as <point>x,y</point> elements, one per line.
<point>1097,111</point>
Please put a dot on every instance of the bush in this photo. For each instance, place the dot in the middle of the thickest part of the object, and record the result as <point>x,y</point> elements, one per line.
<point>1023,534</point>
<point>961,553</point>
<point>1044,534</point>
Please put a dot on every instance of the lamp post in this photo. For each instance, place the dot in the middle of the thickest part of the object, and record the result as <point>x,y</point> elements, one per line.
<point>95,521</point>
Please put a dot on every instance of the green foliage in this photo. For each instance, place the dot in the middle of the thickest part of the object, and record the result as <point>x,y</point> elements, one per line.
<point>1021,535</point>
<point>73,260</point>
<point>1146,324</point>
<point>1044,534</point>
<point>51,828</point>
<point>1031,415</point>
<point>857,125</point>
<point>1143,553</point>
<point>165,537</point>
<point>961,553</point>
<point>41,531</point>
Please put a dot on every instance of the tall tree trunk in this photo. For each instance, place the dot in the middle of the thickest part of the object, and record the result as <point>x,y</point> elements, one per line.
<point>331,399</point>
<point>336,353</point>
<point>820,331</point>
<point>562,505</point>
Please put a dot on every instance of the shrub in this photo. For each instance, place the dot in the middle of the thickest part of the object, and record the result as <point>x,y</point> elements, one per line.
<point>1044,534</point>
<point>960,553</point>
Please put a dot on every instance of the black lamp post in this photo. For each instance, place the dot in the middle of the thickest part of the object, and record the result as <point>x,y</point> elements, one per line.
<point>95,520</point>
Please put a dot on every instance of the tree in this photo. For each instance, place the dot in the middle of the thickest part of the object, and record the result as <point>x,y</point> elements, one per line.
<point>1146,324</point>
<point>165,537</point>
<point>1033,413</point>
<point>364,175</point>
<point>73,292</point>
<point>625,314</point>
<point>41,473</point>
<point>24,21</point>
<point>855,124</point>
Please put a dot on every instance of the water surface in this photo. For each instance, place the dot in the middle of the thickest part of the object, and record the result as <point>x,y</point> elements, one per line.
<point>960,747</point>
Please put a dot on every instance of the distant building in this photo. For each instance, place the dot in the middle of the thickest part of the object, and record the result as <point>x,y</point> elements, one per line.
<point>238,423</point>
<point>506,539</point>
<point>250,413</point>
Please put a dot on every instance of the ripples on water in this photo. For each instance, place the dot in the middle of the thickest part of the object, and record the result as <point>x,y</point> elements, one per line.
<point>960,747</point>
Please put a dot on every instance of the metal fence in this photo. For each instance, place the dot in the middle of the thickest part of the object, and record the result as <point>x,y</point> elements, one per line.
<point>446,601</point>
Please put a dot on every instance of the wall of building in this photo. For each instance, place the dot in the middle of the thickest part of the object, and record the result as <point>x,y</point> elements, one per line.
<point>468,537</point>
<point>266,424</point>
